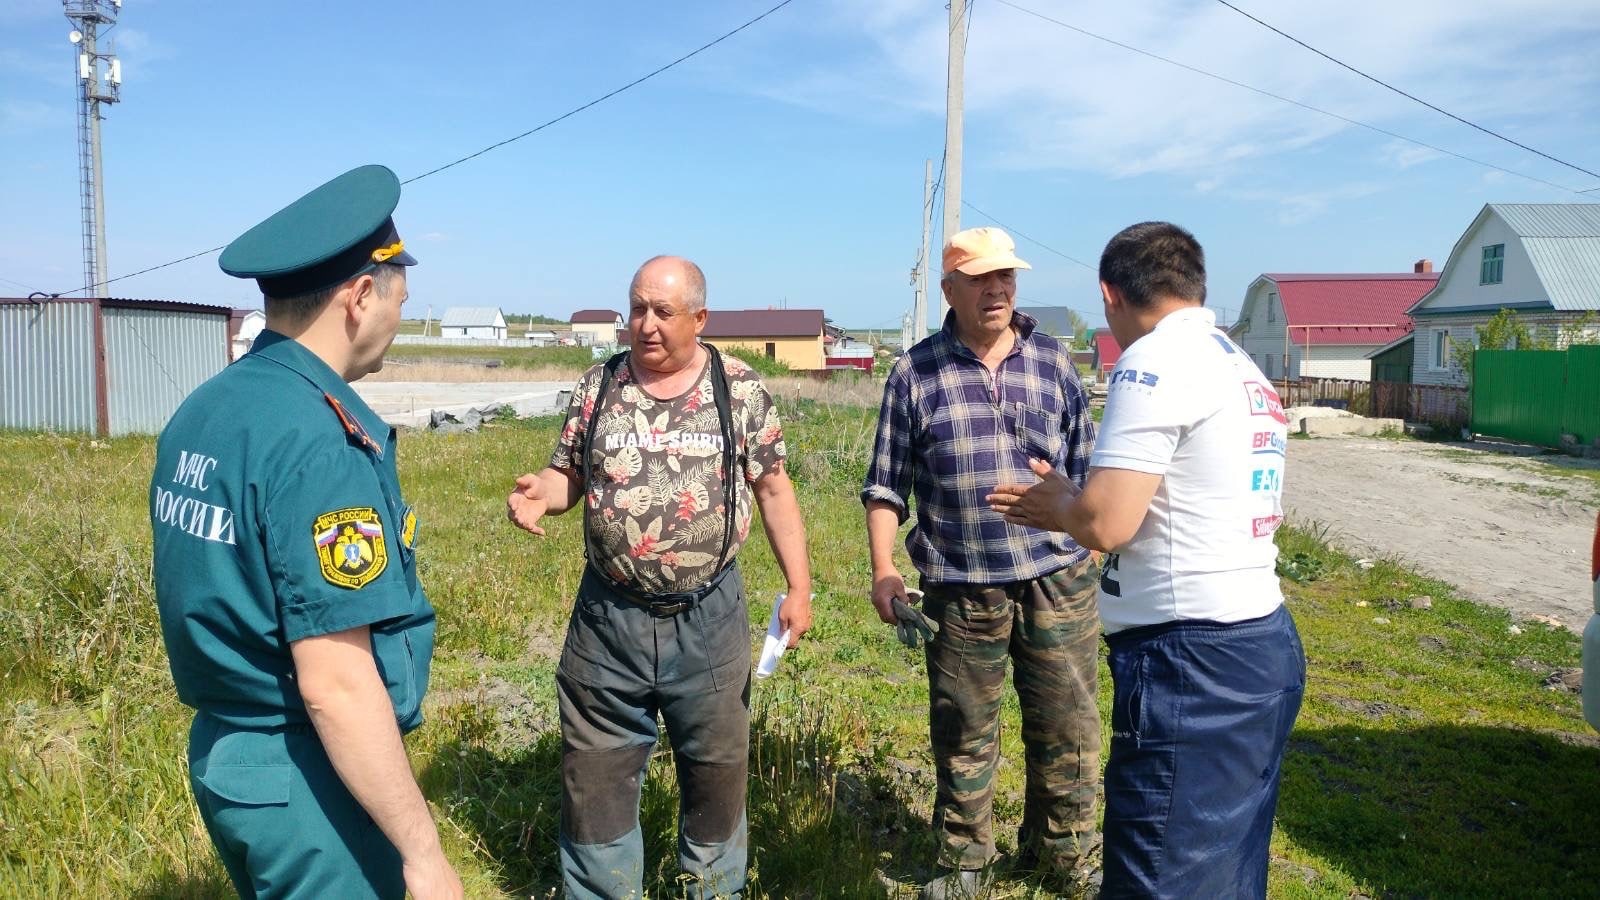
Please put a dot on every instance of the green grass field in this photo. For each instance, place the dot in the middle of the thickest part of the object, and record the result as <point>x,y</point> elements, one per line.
<point>575,359</point>
<point>1428,760</point>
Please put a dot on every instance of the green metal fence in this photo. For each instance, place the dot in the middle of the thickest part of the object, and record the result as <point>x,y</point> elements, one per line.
<point>1582,415</point>
<point>1537,395</point>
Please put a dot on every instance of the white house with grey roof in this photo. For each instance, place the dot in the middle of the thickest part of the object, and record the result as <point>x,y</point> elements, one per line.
<point>486,322</point>
<point>1540,259</point>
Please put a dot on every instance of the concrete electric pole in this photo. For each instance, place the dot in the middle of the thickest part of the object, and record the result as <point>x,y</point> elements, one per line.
<point>919,275</point>
<point>99,83</point>
<point>959,10</point>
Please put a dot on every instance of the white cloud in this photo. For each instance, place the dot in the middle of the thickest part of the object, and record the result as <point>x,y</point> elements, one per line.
<point>1403,155</point>
<point>1301,207</point>
<point>21,11</point>
<point>24,116</point>
<point>33,65</point>
<point>1041,97</point>
<point>133,41</point>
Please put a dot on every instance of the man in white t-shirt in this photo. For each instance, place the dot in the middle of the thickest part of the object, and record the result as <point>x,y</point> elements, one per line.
<point>1185,490</point>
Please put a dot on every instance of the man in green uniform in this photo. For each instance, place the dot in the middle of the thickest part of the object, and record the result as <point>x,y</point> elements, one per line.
<point>285,575</point>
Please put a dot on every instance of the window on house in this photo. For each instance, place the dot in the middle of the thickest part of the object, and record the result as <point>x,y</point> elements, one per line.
<point>1272,307</point>
<point>1441,349</point>
<point>1494,261</point>
<point>772,350</point>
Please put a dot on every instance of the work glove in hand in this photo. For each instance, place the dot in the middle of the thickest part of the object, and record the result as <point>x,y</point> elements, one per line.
<point>912,627</point>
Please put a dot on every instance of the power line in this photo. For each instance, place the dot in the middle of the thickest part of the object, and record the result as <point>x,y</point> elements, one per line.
<point>944,153</point>
<point>1072,259</point>
<point>1279,97</point>
<point>566,115</point>
<point>19,284</point>
<point>1408,96</point>
<point>604,97</point>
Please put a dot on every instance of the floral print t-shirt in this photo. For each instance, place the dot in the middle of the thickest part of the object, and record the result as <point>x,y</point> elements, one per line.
<point>656,504</point>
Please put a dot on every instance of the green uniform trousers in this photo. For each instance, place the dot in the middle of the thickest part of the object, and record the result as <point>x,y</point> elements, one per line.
<point>282,821</point>
<point>1049,627</point>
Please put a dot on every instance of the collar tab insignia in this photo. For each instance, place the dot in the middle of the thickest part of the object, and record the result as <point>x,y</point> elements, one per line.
<point>353,428</point>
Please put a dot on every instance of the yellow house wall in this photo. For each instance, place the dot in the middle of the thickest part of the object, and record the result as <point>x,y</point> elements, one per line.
<point>794,352</point>
<point>603,333</point>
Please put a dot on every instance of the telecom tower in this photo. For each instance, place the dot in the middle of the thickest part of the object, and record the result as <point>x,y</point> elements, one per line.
<point>99,82</point>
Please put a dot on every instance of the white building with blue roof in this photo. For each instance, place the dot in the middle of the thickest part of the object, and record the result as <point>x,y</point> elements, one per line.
<point>483,322</point>
<point>1541,260</point>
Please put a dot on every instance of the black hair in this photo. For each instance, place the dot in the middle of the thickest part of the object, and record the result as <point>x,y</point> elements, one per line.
<point>1152,260</point>
<point>305,306</point>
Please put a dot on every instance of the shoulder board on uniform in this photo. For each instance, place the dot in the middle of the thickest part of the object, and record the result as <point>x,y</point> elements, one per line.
<point>353,427</point>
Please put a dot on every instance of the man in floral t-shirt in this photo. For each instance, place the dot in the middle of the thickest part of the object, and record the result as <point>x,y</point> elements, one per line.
<point>660,626</point>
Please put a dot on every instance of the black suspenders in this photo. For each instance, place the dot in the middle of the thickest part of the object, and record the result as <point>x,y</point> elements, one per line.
<point>722,397</point>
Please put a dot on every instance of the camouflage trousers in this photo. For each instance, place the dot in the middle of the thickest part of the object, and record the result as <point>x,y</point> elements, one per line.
<point>1050,629</point>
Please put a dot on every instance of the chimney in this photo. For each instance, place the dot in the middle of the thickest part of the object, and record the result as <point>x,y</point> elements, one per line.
<point>1423,266</point>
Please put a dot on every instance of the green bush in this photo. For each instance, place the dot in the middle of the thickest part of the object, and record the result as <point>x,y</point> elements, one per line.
<point>765,367</point>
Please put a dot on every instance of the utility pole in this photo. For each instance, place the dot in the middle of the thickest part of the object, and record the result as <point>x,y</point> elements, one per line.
<point>919,275</point>
<point>99,83</point>
<point>959,9</point>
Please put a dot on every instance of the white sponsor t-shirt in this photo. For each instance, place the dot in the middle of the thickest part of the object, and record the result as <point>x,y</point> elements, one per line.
<point>1187,404</point>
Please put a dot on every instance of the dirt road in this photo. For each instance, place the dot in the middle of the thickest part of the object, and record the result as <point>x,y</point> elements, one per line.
<point>1512,531</point>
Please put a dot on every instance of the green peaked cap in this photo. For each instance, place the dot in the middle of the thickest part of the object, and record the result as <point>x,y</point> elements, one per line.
<point>332,234</point>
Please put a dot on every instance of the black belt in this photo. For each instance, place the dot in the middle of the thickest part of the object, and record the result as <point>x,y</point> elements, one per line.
<point>662,605</point>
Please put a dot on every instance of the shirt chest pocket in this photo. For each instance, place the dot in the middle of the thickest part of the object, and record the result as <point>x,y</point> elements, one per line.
<point>1037,429</point>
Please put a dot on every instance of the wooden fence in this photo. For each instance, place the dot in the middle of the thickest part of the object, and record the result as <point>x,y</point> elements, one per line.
<point>1430,403</point>
<point>1335,392</point>
<point>1433,404</point>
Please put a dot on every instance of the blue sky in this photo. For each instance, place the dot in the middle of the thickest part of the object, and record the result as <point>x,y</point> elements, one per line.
<point>787,160</point>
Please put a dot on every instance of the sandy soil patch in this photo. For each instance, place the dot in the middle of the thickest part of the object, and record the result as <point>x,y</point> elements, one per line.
<point>1505,530</point>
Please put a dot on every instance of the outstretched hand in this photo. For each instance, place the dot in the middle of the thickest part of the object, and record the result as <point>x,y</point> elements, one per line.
<point>527,504</point>
<point>1043,504</point>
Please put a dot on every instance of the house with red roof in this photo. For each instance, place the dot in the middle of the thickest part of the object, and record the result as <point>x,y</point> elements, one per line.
<point>1325,325</point>
<point>1106,352</point>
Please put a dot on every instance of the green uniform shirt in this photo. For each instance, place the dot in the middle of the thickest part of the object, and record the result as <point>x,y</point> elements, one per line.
<point>277,516</point>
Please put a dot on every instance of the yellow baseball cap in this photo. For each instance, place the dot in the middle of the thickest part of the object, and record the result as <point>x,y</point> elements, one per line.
<point>980,250</point>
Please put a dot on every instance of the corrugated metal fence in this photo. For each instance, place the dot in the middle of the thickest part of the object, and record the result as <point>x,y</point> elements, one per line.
<point>104,365</point>
<point>1537,395</point>
<point>1582,415</point>
<point>47,359</point>
<point>154,358</point>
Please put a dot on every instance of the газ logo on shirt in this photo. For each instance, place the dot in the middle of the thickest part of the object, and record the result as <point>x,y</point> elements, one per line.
<point>1264,401</point>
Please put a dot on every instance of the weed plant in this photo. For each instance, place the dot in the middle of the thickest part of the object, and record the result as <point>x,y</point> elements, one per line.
<point>1429,759</point>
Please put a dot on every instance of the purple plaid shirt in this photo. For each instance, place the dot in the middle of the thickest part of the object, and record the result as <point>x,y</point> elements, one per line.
<point>949,431</point>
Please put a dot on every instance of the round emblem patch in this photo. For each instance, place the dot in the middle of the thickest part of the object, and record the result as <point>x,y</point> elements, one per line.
<point>351,551</point>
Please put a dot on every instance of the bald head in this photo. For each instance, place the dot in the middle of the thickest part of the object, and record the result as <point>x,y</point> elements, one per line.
<point>673,275</point>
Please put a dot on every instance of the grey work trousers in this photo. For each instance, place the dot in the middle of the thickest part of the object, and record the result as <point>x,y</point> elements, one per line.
<point>620,668</point>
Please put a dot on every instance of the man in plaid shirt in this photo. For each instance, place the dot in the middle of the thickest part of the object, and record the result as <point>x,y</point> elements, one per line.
<point>963,411</point>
